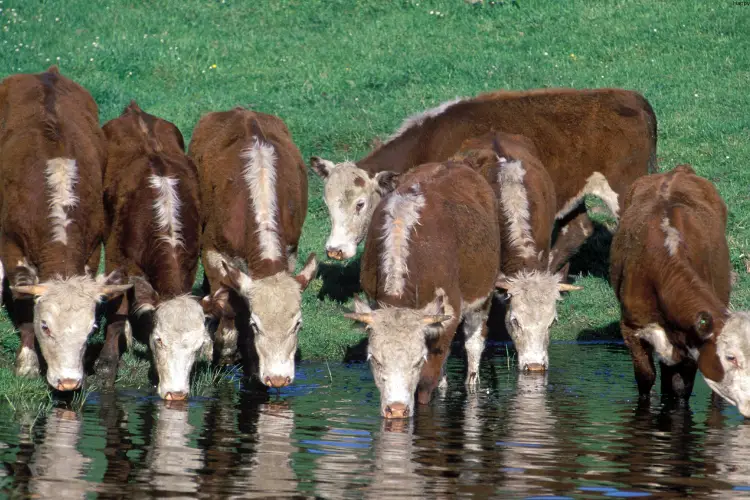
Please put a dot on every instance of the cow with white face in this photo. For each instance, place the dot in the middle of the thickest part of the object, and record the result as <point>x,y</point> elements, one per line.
<point>351,196</point>
<point>431,255</point>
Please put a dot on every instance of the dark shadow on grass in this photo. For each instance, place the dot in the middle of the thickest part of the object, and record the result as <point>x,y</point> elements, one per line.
<point>340,281</point>
<point>593,256</point>
<point>609,332</point>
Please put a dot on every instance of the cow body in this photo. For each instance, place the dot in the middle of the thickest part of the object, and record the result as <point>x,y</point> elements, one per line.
<point>52,218</point>
<point>254,188</point>
<point>431,256</point>
<point>670,271</point>
<point>590,141</point>
<point>526,214</point>
<point>152,201</point>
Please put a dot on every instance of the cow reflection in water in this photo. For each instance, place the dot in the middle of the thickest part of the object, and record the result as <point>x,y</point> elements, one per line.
<point>57,467</point>
<point>395,473</point>
<point>727,450</point>
<point>172,463</point>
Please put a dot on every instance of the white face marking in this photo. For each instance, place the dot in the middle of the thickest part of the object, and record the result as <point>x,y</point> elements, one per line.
<point>166,208</point>
<point>178,337</point>
<point>672,237</point>
<point>598,186</point>
<point>260,177</point>
<point>531,311</point>
<point>655,335</point>
<point>419,118</point>
<point>733,351</point>
<point>515,204</point>
<point>61,177</point>
<point>402,212</point>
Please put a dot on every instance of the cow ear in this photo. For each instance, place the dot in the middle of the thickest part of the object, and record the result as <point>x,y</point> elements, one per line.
<point>360,306</point>
<point>704,325</point>
<point>146,297</point>
<point>502,153</point>
<point>215,304</point>
<point>234,278</point>
<point>386,182</point>
<point>321,167</point>
<point>114,284</point>
<point>308,272</point>
<point>502,283</point>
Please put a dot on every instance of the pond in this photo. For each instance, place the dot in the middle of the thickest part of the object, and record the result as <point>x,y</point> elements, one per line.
<point>577,432</point>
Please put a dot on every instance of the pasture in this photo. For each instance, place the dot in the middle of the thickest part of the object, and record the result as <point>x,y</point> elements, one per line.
<point>342,73</point>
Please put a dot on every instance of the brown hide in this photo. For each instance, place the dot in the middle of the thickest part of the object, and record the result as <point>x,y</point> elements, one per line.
<point>576,133</point>
<point>229,223</point>
<point>455,246</point>
<point>141,146</point>
<point>42,117</point>
<point>480,153</point>
<point>671,290</point>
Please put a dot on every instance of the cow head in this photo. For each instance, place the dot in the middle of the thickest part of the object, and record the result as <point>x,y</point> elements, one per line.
<point>724,361</point>
<point>532,308</point>
<point>177,337</point>
<point>397,348</point>
<point>351,196</point>
<point>64,317</point>
<point>275,317</point>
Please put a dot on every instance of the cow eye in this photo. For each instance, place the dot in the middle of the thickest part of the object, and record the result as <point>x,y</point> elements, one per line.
<point>360,205</point>
<point>159,342</point>
<point>45,328</point>
<point>731,358</point>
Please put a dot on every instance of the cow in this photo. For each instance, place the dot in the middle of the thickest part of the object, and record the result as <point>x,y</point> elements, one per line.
<point>152,203</point>
<point>670,270</point>
<point>526,215</point>
<point>431,258</point>
<point>52,220</point>
<point>254,190</point>
<point>590,141</point>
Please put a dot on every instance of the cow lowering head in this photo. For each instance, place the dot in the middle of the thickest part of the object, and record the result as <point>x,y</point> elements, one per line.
<point>351,196</point>
<point>64,317</point>
<point>275,317</point>
<point>397,348</point>
<point>724,360</point>
<point>177,337</point>
<point>532,308</point>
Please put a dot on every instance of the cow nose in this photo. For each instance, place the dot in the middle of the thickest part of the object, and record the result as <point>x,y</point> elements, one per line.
<point>335,253</point>
<point>176,396</point>
<point>278,381</point>
<point>534,367</point>
<point>396,410</point>
<point>68,384</point>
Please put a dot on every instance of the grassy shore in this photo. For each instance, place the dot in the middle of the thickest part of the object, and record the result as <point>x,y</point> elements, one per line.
<point>342,73</point>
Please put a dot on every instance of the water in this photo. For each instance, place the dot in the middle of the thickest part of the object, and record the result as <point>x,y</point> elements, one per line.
<point>578,432</point>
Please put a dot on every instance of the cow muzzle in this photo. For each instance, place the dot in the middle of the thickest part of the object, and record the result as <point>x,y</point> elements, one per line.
<point>335,253</point>
<point>68,384</point>
<point>396,410</point>
<point>176,396</point>
<point>277,381</point>
<point>535,367</point>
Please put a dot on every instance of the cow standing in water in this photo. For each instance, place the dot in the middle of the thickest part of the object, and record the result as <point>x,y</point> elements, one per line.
<point>254,190</point>
<point>152,201</point>
<point>670,270</point>
<point>430,261</point>
<point>526,213</point>
<point>590,141</point>
<point>52,220</point>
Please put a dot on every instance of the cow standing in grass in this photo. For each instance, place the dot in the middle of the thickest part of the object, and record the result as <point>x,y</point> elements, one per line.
<point>254,189</point>
<point>670,270</point>
<point>52,220</point>
<point>590,141</point>
<point>152,200</point>
<point>526,213</point>
<point>430,261</point>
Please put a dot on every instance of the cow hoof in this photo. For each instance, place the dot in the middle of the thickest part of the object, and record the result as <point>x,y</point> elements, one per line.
<point>106,369</point>
<point>472,381</point>
<point>27,363</point>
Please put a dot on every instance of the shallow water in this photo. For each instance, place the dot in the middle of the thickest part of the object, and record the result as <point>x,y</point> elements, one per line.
<point>578,432</point>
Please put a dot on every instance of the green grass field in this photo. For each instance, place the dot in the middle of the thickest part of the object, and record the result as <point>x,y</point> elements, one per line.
<point>344,72</point>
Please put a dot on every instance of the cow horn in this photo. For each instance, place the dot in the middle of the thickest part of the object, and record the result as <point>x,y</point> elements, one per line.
<point>365,318</point>
<point>432,319</point>
<point>35,290</point>
<point>114,289</point>
<point>565,287</point>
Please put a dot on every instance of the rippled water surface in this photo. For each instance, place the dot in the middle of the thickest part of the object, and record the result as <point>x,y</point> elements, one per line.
<point>577,432</point>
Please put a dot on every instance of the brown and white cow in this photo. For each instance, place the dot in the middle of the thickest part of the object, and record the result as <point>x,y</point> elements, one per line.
<point>526,214</point>
<point>430,261</point>
<point>590,141</point>
<point>254,190</point>
<point>52,219</point>
<point>670,270</point>
<point>152,199</point>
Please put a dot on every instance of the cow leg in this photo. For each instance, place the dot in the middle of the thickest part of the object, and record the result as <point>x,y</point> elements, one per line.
<point>2,279</point>
<point>475,333</point>
<point>677,380</point>
<point>434,366</point>
<point>574,230</point>
<point>109,357</point>
<point>643,360</point>
<point>226,335</point>
<point>27,358</point>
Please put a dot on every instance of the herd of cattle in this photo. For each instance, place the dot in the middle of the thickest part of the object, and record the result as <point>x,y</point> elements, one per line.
<point>458,206</point>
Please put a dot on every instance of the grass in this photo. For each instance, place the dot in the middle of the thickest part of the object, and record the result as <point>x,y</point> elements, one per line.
<point>344,72</point>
